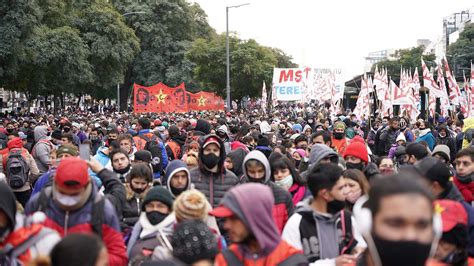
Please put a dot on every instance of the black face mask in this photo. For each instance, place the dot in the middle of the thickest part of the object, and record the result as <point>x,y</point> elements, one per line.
<point>139,190</point>
<point>338,135</point>
<point>335,206</point>
<point>155,217</point>
<point>66,129</point>
<point>465,179</point>
<point>178,191</point>
<point>297,163</point>
<point>395,253</point>
<point>359,166</point>
<point>210,160</point>
<point>282,131</point>
<point>256,180</point>
<point>124,170</point>
<point>10,130</point>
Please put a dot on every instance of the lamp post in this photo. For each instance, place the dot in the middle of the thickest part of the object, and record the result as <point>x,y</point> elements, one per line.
<point>118,83</point>
<point>229,103</point>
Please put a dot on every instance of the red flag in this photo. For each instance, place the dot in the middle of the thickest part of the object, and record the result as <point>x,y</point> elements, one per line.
<point>205,101</point>
<point>158,98</point>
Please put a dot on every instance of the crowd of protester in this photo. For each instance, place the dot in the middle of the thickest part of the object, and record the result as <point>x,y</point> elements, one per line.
<point>297,186</point>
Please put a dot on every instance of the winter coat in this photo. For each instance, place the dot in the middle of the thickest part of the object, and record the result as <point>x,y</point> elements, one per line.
<point>388,138</point>
<point>427,136</point>
<point>42,149</point>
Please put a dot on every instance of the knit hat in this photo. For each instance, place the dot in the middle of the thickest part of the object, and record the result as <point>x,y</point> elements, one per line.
<point>68,149</point>
<point>158,194</point>
<point>443,151</point>
<point>358,150</point>
<point>297,128</point>
<point>191,205</point>
<point>193,241</point>
<point>301,152</point>
<point>401,136</point>
<point>72,173</point>
<point>339,125</point>
<point>210,140</point>
<point>143,155</point>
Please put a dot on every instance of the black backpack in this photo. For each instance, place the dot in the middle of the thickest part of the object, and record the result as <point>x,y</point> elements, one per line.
<point>152,145</point>
<point>16,169</point>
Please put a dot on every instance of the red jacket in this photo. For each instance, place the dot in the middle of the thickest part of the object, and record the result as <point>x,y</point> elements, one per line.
<point>283,208</point>
<point>467,190</point>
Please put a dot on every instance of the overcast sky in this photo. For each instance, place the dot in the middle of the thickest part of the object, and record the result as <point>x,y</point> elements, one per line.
<point>335,34</point>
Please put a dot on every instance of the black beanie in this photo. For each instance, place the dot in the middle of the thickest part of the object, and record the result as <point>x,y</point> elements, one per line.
<point>263,141</point>
<point>158,194</point>
<point>301,137</point>
<point>193,241</point>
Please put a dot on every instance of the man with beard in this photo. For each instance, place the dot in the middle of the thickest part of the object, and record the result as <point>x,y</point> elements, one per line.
<point>177,178</point>
<point>323,222</point>
<point>398,222</point>
<point>247,210</point>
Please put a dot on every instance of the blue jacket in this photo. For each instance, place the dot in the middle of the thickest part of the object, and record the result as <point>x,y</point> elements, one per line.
<point>164,155</point>
<point>47,179</point>
<point>428,138</point>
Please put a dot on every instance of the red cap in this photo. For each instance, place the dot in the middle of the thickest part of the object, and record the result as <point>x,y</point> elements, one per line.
<point>212,140</point>
<point>452,213</point>
<point>157,122</point>
<point>221,212</point>
<point>72,173</point>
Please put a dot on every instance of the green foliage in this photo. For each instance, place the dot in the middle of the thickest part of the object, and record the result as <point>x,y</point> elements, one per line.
<point>408,59</point>
<point>461,52</point>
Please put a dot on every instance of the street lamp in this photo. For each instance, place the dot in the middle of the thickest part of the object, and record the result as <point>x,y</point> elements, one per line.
<point>118,84</point>
<point>229,103</point>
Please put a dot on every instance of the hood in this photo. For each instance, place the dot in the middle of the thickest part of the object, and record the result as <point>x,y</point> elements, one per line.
<point>203,126</point>
<point>222,153</point>
<point>259,156</point>
<point>318,152</point>
<point>15,143</point>
<point>174,167</point>
<point>424,131</point>
<point>253,204</point>
<point>401,136</point>
<point>41,132</point>
<point>8,203</point>
<point>265,127</point>
<point>308,127</point>
<point>237,156</point>
<point>224,129</point>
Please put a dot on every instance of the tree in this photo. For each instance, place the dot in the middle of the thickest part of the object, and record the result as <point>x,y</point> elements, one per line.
<point>409,59</point>
<point>250,65</point>
<point>461,53</point>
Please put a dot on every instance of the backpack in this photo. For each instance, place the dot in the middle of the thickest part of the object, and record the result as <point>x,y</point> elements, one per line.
<point>97,213</point>
<point>16,169</point>
<point>152,145</point>
<point>175,149</point>
<point>295,259</point>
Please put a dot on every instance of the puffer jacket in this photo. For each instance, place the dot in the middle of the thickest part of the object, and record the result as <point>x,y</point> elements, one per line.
<point>79,221</point>
<point>213,185</point>
<point>283,207</point>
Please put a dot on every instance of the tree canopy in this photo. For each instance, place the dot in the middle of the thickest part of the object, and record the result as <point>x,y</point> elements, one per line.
<point>461,53</point>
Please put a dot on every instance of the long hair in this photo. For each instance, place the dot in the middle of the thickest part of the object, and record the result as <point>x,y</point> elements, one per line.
<point>279,161</point>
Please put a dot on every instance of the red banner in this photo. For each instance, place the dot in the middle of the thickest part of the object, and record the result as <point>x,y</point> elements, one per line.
<point>160,98</point>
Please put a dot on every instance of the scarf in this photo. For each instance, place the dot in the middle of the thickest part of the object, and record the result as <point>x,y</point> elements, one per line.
<point>297,193</point>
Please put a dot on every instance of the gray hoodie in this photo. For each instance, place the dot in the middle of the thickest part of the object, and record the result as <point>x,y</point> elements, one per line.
<point>42,150</point>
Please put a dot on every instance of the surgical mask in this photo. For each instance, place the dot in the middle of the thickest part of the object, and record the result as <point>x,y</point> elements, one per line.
<point>395,253</point>
<point>359,166</point>
<point>338,135</point>
<point>335,206</point>
<point>285,183</point>
<point>155,217</point>
<point>67,200</point>
<point>310,121</point>
<point>442,135</point>
<point>354,196</point>
<point>210,160</point>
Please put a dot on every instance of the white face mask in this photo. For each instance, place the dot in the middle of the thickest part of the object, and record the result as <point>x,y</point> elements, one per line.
<point>285,183</point>
<point>67,200</point>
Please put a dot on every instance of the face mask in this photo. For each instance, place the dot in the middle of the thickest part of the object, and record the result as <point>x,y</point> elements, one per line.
<point>123,171</point>
<point>353,197</point>
<point>466,179</point>
<point>66,200</point>
<point>178,191</point>
<point>387,171</point>
<point>310,121</point>
<point>93,138</point>
<point>66,129</point>
<point>256,180</point>
<point>338,135</point>
<point>282,131</point>
<point>297,163</point>
<point>442,135</point>
<point>285,183</point>
<point>155,217</point>
<point>359,166</point>
<point>210,160</point>
<point>335,206</point>
<point>9,130</point>
<point>413,253</point>
<point>139,190</point>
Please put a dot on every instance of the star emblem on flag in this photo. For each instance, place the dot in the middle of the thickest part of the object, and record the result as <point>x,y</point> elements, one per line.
<point>438,208</point>
<point>161,96</point>
<point>202,101</point>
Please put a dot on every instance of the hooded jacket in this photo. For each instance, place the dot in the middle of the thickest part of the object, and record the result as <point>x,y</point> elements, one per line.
<point>253,204</point>
<point>79,221</point>
<point>427,136</point>
<point>174,167</point>
<point>213,185</point>
<point>42,150</point>
<point>202,128</point>
<point>237,156</point>
<point>283,205</point>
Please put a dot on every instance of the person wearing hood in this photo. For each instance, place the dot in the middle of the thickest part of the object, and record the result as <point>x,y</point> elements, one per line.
<point>74,205</point>
<point>338,139</point>
<point>202,128</point>
<point>400,141</point>
<point>247,210</point>
<point>257,170</point>
<point>223,133</point>
<point>444,137</point>
<point>154,226</point>
<point>307,130</point>
<point>357,157</point>
<point>18,234</point>
<point>139,181</point>
<point>438,177</point>
<point>121,163</point>
<point>22,191</point>
<point>426,135</point>
<point>323,221</point>
<point>464,179</point>
<point>177,178</point>
<point>42,149</point>
<point>234,160</point>
<point>320,154</point>
<point>174,146</point>
<point>211,177</point>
